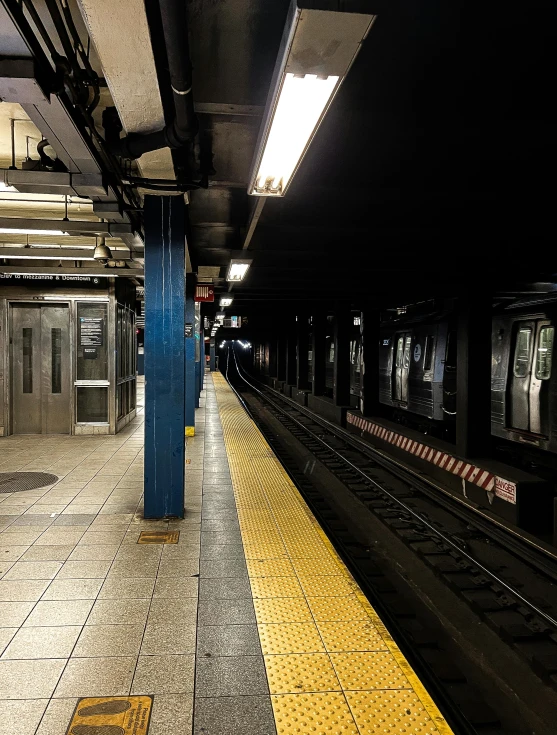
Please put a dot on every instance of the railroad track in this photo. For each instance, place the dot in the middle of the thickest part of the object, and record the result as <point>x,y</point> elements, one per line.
<point>509,582</point>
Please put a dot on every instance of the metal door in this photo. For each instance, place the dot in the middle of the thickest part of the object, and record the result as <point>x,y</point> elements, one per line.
<point>402,367</point>
<point>40,369</point>
<point>531,370</point>
<point>521,375</point>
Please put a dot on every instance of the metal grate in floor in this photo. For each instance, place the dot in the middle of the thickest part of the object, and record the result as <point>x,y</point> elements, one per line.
<point>15,482</point>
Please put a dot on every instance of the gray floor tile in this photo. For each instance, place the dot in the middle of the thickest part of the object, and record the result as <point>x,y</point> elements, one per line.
<point>222,551</point>
<point>84,569</point>
<point>164,675</point>
<point>57,716</point>
<point>170,587</point>
<point>109,640</point>
<point>129,569</point>
<point>228,640</point>
<point>29,679</point>
<point>37,521</point>
<point>233,715</point>
<point>59,612</point>
<point>75,519</point>
<point>21,717</point>
<point>44,642</point>
<point>47,553</point>
<point>129,589</point>
<point>6,634</point>
<point>93,553</point>
<point>20,590</point>
<point>73,589</point>
<point>224,589</point>
<point>230,676</point>
<point>14,613</point>
<point>212,538</point>
<point>172,715</point>
<point>34,570</point>
<point>215,568</point>
<point>96,677</point>
<point>182,611</point>
<point>119,612</point>
<point>226,612</point>
<point>161,639</point>
<point>178,567</point>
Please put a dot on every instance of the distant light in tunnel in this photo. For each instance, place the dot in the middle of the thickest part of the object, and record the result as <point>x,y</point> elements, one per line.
<point>226,300</point>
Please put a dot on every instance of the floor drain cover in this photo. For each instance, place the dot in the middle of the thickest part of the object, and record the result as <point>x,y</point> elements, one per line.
<point>158,537</point>
<point>15,482</point>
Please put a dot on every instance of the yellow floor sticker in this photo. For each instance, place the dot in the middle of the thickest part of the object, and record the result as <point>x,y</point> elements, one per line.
<point>111,716</point>
<point>158,537</point>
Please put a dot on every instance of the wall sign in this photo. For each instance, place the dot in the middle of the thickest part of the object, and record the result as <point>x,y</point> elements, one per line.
<point>204,293</point>
<point>505,490</point>
<point>188,332</point>
<point>91,331</point>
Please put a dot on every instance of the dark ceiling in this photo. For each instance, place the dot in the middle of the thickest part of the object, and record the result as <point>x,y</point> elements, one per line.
<point>430,174</point>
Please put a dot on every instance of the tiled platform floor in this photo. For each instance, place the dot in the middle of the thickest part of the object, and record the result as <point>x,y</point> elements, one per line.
<point>283,642</point>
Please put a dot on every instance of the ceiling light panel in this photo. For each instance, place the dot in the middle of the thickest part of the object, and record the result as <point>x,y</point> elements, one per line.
<point>318,48</point>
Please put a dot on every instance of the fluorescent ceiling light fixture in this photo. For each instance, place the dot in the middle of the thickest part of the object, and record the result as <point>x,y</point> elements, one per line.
<point>6,187</point>
<point>226,300</point>
<point>317,49</point>
<point>28,231</point>
<point>237,269</point>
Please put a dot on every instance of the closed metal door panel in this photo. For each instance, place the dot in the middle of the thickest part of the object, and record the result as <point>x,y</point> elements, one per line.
<point>539,382</point>
<point>26,369</point>
<point>399,352</point>
<point>55,378</point>
<point>406,368</point>
<point>40,360</point>
<point>521,374</point>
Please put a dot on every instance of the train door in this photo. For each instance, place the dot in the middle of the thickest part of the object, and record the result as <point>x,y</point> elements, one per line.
<point>40,369</point>
<point>402,366</point>
<point>531,370</point>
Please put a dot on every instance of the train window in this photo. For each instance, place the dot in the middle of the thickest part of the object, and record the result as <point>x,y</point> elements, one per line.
<point>545,351</point>
<point>399,351</point>
<point>407,345</point>
<point>523,352</point>
<point>428,352</point>
<point>450,354</point>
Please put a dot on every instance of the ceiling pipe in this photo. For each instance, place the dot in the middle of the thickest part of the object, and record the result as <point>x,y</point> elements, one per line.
<point>185,125</point>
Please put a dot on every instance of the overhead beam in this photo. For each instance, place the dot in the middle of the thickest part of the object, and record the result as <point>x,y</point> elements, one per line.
<point>58,253</point>
<point>106,229</point>
<point>97,271</point>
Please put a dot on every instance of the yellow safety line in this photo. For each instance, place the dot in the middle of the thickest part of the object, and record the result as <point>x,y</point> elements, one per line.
<point>331,664</point>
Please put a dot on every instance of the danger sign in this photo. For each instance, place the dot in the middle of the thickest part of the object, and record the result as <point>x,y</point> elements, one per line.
<point>505,490</point>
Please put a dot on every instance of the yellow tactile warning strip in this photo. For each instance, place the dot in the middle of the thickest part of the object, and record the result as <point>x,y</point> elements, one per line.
<point>111,716</point>
<point>158,537</point>
<point>332,666</point>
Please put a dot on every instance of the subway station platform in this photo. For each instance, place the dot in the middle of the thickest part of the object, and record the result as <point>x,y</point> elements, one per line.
<point>249,623</point>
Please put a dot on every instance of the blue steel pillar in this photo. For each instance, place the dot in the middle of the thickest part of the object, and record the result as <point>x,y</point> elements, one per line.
<point>165,242</point>
<point>212,355</point>
<point>197,353</point>
<point>190,356</point>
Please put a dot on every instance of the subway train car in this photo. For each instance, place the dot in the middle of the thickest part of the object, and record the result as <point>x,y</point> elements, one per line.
<point>418,366</point>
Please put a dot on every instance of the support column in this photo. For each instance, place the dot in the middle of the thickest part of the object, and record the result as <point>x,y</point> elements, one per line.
<point>197,332</point>
<point>341,380</point>
<point>291,351</point>
<point>302,347</point>
<point>165,242</point>
<point>473,376</point>
<point>318,353</point>
<point>190,356</point>
<point>212,355</point>
<point>369,357</point>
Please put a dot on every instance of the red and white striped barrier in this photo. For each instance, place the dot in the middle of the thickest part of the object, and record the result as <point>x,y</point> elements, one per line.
<point>502,488</point>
